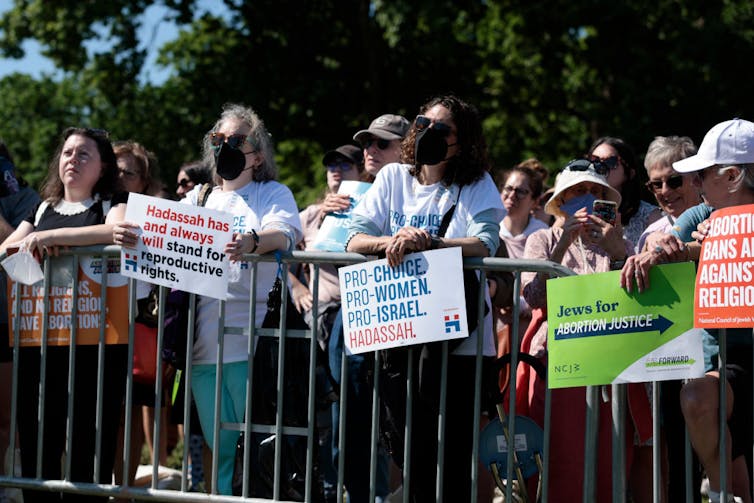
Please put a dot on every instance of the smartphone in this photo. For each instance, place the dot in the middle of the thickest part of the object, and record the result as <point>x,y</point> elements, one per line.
<point>606,210</point>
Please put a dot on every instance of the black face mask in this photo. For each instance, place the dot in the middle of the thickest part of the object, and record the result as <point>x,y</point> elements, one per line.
<point>230,162</point>
<point>430,147</point>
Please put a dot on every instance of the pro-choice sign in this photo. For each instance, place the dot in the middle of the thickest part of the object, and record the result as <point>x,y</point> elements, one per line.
<point>420,300</point>
<point>600,334</point>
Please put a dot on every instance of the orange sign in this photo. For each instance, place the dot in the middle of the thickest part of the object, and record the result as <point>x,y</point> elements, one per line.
<point>724,296</point>
<point>60,309</point>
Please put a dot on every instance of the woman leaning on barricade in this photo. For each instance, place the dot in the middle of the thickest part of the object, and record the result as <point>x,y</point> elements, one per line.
<point>79,208</point>
<point>445,165</point>
<point>724,170</point>
<point>239,149</point>
<point>586,244</point>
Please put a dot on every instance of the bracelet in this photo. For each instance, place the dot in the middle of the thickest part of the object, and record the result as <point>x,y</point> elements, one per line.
<point>435,244</point>
<point>255,237</point>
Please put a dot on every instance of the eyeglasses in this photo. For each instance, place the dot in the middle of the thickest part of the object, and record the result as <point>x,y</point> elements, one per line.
<point>518,191</point>
<point>185,183</point>
<point>131,175</point>
<point>381,143</point>
<point>672,182</point>
<point>235,141</point>
<point>611,162</point>
<point>341,166</point>
<point>423,122</point>
<point>586,165</point>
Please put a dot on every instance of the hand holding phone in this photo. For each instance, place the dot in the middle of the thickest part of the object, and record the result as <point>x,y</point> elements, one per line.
<point>606,210</point>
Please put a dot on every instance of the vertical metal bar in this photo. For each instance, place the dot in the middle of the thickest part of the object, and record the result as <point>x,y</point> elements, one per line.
<point>218,396</point>
<point>442,419</point>
<point>280,391</point>
<point>187,397</point>
<point>590,443</point>
<point>619,447</point>
<point>375,428</point>
<point>515,345</point>
<point>723,415</point>
<point>480,335</point>
<point>408,429</point>
<point>100,368</point>
<point>72,367</point>
<point>14,378</point>
<point>546,447</point>
<point>43,365</point>
<point>130,383</point>
<point>249,378</point>
<point>342,425</point>
<point>313,341</point>
<point>158,398</point>
<point>656,442</point>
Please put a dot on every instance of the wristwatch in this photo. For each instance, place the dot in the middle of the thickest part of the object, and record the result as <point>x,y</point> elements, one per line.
<point>255,237</point>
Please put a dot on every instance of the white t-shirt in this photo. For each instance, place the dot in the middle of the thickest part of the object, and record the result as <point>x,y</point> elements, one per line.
<point>397,199</point>
<point>257,205</point>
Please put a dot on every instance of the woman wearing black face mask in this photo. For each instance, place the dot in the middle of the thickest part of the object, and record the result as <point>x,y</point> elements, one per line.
<point>445,165</point>
<point>265,219</point>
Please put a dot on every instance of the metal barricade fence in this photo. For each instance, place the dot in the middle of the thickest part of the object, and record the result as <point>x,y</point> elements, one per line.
<point>153,493</point>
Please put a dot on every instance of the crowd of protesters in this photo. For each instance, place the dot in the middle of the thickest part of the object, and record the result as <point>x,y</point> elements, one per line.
<point>435,164</point>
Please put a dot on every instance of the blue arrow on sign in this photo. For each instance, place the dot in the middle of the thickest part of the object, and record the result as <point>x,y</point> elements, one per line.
<point>659,324</point>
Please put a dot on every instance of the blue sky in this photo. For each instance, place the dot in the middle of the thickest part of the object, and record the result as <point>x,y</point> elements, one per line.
<point>153,35</point>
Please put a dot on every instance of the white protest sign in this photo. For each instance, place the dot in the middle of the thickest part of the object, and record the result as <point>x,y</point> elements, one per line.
<point>180,246</point>
<point>420,300</point>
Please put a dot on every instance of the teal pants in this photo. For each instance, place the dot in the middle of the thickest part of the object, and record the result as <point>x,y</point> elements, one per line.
<point>232,406</point>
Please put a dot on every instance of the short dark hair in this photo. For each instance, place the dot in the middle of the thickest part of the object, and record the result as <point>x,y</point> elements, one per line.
<point>471,163</point>
<point>197,171</point>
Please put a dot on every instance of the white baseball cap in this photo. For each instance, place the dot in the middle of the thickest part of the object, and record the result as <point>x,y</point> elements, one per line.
<point>730,142</point>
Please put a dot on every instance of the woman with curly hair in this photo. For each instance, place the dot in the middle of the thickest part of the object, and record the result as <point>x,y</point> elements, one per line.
<point>445,158</point>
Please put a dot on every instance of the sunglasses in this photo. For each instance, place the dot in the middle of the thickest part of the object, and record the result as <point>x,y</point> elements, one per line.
<point>518,191</point>
<point>341,166</point>
<point>587,165</point>
<point>185,183</point>
<point>673,182</point>
<point>611,162</point>
<point>235,141</point>
<point>382,144</point>
<point>422,122</point>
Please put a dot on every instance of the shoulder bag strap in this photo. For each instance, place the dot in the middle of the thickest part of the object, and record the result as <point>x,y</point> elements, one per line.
<point>201,199</point>
<point>448,216</point>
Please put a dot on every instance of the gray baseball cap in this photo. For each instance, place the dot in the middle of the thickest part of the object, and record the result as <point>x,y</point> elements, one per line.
<point>387,127</point>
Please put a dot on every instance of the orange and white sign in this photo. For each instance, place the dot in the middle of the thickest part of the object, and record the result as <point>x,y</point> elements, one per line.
<point>61,300</point>
<point>724,295</point>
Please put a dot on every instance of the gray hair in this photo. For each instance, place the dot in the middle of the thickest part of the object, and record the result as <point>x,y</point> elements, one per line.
<point>665,150</point>
<point>260,139</point>
<point>745,178</point>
